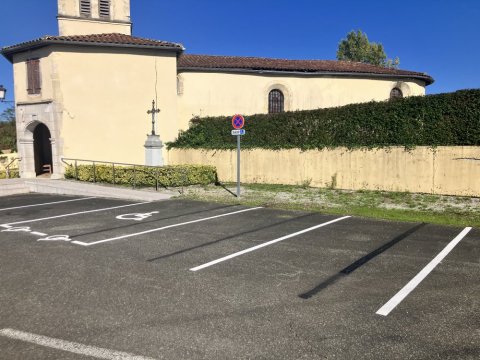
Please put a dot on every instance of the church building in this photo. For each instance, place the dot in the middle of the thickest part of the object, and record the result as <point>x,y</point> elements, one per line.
<point>85,93</point>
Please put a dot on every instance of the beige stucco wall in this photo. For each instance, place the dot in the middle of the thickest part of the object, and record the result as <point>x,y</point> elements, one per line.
<point>445,170</point>
<point>67,27</point>
<point>216,93</point>
<point>104,97</point>
<point>70,24</point>
<point>47,70</point>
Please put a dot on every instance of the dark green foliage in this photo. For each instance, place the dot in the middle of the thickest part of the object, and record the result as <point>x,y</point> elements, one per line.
<point>433,120</point>
<point>168,176</point>
<point>8,132</point>
<point>357,47</point>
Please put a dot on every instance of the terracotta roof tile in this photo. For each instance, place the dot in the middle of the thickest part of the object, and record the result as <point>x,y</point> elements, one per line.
<point>113,39</point>
<point>210,62</point>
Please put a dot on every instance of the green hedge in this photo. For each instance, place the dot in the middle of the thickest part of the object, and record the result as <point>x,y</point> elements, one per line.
<point>432,120</point>
<point>168,176</point>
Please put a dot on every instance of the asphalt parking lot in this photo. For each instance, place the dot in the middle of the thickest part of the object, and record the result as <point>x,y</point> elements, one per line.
<point>86,278</point>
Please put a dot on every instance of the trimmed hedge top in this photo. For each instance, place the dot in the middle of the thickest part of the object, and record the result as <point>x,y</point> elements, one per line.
<point>144,176</point>
<point>435,120</point>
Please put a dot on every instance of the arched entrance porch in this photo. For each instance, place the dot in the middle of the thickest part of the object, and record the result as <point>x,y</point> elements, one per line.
<point>42,149</point>
<point>38,139</point>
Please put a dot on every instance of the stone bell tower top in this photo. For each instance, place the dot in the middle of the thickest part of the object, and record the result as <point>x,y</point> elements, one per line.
<point>86,17</point>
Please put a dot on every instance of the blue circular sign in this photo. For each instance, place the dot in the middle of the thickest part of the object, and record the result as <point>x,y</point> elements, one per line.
<point>238,121</point>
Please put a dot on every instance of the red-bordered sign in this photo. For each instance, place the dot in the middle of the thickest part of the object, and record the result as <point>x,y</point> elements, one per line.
<point>238,121</point>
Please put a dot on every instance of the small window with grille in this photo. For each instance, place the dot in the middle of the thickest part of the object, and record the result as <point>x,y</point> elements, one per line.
<point>275,102</point>
<point>104,8</point>
<point>85,8</point>
<point>396,93</point>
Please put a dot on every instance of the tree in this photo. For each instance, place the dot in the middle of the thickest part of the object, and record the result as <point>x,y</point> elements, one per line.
<point>8,131</point>
<point>356,47</point>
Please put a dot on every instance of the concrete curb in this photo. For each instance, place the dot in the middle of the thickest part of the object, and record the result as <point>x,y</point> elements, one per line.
<point>62,187</point>
<point>13,187</point>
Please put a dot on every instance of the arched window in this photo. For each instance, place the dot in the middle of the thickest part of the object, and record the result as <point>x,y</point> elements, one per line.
<point>275,101</point>
<point>396,93</point>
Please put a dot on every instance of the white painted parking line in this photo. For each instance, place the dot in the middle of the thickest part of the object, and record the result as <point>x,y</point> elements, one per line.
<point>266,244</point>
<point>163,228</point>
<point>38,233</point>
<point>72,347</point>
<point>407,289</point>
<point>49,203</point>
<point>76,213</point>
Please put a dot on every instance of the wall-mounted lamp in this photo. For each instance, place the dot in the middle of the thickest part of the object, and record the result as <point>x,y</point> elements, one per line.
<point>3,93</point>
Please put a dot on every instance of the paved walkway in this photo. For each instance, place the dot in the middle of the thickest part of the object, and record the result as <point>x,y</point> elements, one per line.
<point>64,187</point>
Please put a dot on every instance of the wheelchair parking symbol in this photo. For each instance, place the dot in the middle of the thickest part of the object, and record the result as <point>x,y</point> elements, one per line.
<point>136,216</point>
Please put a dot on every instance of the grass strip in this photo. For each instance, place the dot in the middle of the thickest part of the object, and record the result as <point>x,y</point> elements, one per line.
<point>395,206</point>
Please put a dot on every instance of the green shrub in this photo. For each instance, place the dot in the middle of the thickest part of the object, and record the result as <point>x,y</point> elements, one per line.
<point>143,176</point>
<point>14,173</point>
<point>433,120</point>
<point>8,132</point>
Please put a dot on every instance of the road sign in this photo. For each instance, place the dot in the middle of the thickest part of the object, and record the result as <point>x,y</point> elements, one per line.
<point>238,121</point>
<point>238,132</point>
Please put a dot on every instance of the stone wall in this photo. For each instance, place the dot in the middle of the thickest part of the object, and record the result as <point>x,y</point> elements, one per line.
<point>444,170</point>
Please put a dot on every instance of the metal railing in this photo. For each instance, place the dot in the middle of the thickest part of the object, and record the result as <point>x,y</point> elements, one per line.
<point>9,168</point>
<point>115,166</point>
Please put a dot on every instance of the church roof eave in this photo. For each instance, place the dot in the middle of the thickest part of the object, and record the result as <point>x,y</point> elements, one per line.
<point>96,40</point>
<point>241,64</point>
<point>427,79</point>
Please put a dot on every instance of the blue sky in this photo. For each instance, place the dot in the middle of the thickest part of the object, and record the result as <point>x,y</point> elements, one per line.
<point>440,37</point>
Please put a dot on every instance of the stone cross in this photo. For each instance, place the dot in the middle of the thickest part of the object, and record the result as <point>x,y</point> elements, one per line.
<point>153,111</point>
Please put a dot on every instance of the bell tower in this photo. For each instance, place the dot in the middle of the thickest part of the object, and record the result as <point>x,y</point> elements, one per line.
<point>86,17</point>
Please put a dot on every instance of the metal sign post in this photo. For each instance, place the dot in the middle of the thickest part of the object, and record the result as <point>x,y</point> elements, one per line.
<point>238,122</point>
<point>238,165</point>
